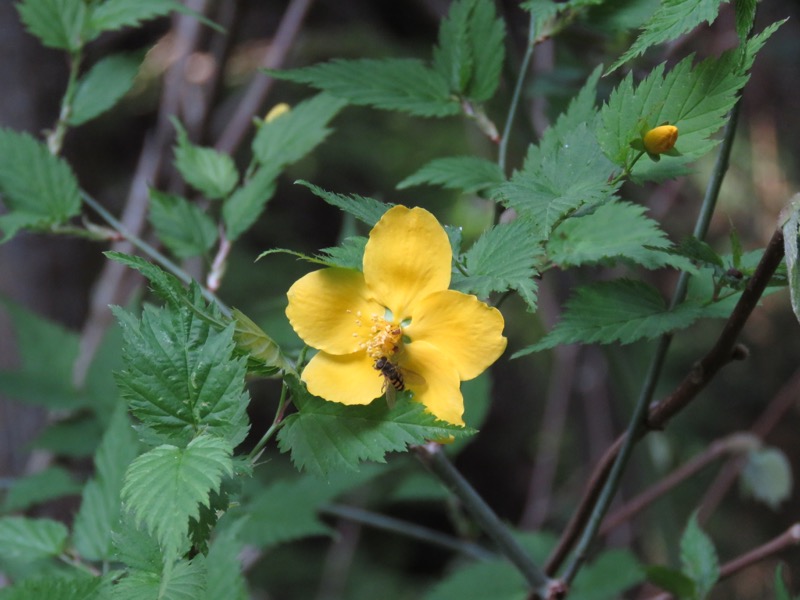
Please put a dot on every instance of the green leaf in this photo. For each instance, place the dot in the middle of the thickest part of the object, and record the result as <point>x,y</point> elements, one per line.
<point>262,351</point>
<point>504,258</point>
<point>781,591</point>
<point>292,135</point>
<point>224,569</point>
<point>617,231</point>
<point>324,437</point>
<point>467,173</point>
<point>100,506</point>
<point>400,84</point>
<point>767,476</point>
<point>47,353</point>
<point>38,189</point>
<point>165,285</point>
<point>699,252</point>
<point>102,87</point>
<point>27,540</point>
<point>134,547</point>
<point>243,208</point>
<point>699,558</point>
<point>116,14</point>
<point>745,17</point>
<point>551,186</point>
<point>470,52</point>
<point>366,210</point>
<point>348,255</point>
<point>51,483</point>
<point>183,227</point>
<point>164,486</point>
<point>672,19</point>
<point>607,577</point>
<point>671,581</point>
<point>211,172</point>
<point>58,587</point>
<point>790,218</point>
<point>76,436</point>
<point>57,23</point>
<point>497,580</point>
<point>622,311</point>
<point>185,580</point>
<point>180,376</point>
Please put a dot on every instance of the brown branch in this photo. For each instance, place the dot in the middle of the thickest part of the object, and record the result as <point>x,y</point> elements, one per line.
<point>700,375</point>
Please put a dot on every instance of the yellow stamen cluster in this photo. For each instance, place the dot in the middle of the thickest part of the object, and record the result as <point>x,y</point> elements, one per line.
<point>385,340</point>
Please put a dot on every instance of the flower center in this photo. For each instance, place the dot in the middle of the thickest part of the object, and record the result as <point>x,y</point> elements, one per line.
<point>386,338</point>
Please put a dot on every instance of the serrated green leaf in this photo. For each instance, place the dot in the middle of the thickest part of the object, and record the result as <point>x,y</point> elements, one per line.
<point>617,231</point>
<point>607,577</point>
<point>38,189</point>
<point>180,376</point>
<point>211,172</point>
<point>100,506</point>
<point>183,227</point>
<point>670,580</point>
<point>25,539</point>
<point>504,258</point>
<point>164,486</point>
<point>672,19</point>
<point>52,482</point>
<point>581,108</point>
<point>324,437</point>
<point>246,204</point>
<point>622,311</point>
<point>224,569</point>
<point>259,347</point>
<point>348,255</point>
<point>57,23</point>
<point>134,547</point>
<point>292,135</point>
<point>767,476</point>
<point>453,57</point>
<point>467,173</point>
<point>165,285</point>
<point>745,17</point>
<point>102,87</point>
<point>116,14</point>
<point>185,580</point>
<point>58,587</point>
<point>699,558</point>
<point>791,235</point>
<point>405,85</point>
<point>366,210</point>
<point>552,186</point>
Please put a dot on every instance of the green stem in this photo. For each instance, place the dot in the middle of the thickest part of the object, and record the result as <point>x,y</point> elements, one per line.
<point>408,529</point>
<point>150,251</point>
<point>55,139</point>
<point>515,98</point>
<point>637,424</point>
<point>436,460</point>
<point>256,452</point>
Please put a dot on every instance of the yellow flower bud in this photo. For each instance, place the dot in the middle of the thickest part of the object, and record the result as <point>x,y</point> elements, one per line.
<point>276,111</point>
<point>660,139</point>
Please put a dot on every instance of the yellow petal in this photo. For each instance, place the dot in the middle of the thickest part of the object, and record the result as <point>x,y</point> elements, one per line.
<point>466,330</point>
<point>349,379</point>
<point>407,257</point>
<point>439,390</point>
<point>330,310</point>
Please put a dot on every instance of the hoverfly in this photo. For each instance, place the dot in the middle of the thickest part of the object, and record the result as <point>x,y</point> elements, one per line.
<point>395,379</point>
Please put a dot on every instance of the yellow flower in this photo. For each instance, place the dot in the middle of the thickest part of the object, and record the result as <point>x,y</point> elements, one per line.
<point>660,139</point>
<point>398,309</point>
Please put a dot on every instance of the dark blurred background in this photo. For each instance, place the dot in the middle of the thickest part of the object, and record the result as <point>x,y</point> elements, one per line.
<point>579,397</point>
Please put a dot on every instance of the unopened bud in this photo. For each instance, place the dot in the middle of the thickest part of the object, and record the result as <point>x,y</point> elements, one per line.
<point>276,111</point>
<point>660,139</point>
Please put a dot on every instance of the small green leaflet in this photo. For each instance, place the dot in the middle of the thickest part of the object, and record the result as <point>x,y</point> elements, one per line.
<point>406,85</point>
<point>53,482</point>
<point>611,573</point>
<point>27,540</point>
<point>551,188</point>
<point>183,227</point>
<point>38,189</point>
<point>504,258</point>
<point>470,52</point>
<point>672,19</point>
<point>615,232</point>
<point>100,506</point>
<point>165,285</point>
<point>59,587</point>
<point>184,580</point>
<point>790,217</point>
<point>325,437</point>
<point>348,255</point>
<point>180,376</point>
<point>469,174</point>
<point>164,486</point>
<point>699,558</point>
<point>57,23</point>
<point>224,577</point>
<point>767,476</point>
<point>670,580</point>
<point>292,135</point>
<point>366,210</point>
<point>622,311</point>
<point>245,205</point>
<point>102,87</point>
<point>116,14</point>
<point>209,171</point>
<point>745,16</point>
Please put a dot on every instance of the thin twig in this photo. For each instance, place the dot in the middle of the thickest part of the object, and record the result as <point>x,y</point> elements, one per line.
<point>274,57</point>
